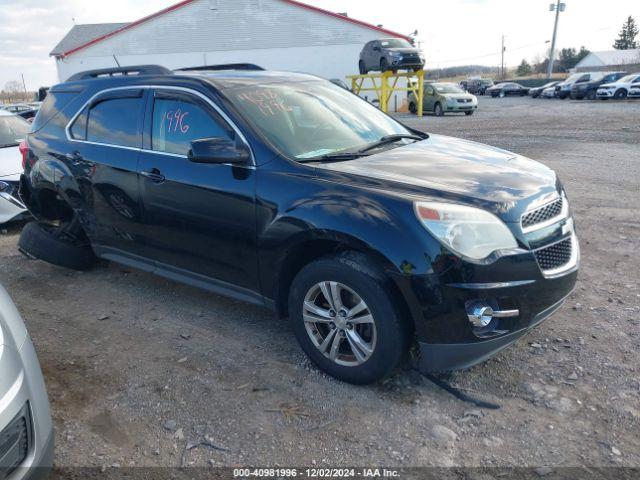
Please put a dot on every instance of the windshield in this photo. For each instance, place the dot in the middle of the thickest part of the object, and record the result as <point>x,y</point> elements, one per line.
<point>628,78</point>
<point>447,88</point>
<point>574,77</point>
<point>395,43</point>
<point>312,119</point>
<point>12,130</point>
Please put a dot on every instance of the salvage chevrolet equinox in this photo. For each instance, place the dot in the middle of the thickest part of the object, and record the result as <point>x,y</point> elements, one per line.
<point>287,191</point>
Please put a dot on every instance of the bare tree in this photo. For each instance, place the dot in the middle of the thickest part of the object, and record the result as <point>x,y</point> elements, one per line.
<point>12,90</point>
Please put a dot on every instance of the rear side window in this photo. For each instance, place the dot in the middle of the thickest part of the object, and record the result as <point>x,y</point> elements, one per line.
<point>52,105</point>
<point>180,119</point>
<point>113,121</point>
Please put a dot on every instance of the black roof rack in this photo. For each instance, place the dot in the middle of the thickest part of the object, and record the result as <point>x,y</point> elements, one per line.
<point>121,71</point>
<point>224,66</point>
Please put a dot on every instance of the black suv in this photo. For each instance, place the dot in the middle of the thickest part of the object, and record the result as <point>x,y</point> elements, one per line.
<point>390,54</point>
<point>288,191</point>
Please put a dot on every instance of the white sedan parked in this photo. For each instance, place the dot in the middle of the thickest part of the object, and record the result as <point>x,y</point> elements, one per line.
<point>618,90</point>
<point>549,92</point>
<point>13,129</point>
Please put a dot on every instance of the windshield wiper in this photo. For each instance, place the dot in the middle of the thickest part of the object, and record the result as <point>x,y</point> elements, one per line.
<point>334,157</point>
<point>389,139</point>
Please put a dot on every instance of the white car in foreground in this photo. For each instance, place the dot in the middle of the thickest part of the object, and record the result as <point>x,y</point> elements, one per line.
<point>549,92</point>
<point>618,90</point>
<point>26,429</point>
<point>13,129</point>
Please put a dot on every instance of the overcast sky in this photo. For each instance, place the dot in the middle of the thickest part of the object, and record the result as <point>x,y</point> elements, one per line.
<point>452,32</point>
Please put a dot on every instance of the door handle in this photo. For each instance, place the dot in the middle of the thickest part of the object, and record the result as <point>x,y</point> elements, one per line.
<point>154,175</point>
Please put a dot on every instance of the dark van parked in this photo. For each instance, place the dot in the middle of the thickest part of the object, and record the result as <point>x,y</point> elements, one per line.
<point>290,192</point>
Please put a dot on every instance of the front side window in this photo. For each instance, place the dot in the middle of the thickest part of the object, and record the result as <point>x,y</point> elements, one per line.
<point>113,121</point>
<point>312,118</point>
<point>179,120</point>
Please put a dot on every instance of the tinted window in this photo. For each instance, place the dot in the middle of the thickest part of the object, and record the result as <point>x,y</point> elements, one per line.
<point>115,122</point>
<point>52,105</point>
<point>79,128</point>
<point>180,120</point>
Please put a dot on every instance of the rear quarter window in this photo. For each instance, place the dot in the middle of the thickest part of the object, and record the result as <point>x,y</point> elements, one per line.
<point>53,104</point>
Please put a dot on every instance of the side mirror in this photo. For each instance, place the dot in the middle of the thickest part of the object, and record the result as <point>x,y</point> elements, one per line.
<point>218,150</point>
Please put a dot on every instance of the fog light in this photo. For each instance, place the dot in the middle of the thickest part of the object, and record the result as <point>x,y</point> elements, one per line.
<point>480,315</point>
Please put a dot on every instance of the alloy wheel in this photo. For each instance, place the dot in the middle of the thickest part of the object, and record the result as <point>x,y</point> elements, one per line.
<point>339,323</point>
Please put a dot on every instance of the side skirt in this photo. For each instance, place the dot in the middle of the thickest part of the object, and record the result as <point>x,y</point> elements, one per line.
<point>184,276</point>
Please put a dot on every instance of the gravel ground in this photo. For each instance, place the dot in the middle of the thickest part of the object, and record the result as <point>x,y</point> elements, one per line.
<point>144,371</point>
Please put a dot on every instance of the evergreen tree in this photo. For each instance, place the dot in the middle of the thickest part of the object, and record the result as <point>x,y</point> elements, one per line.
<point>523,69</point>
<point>627,36</point>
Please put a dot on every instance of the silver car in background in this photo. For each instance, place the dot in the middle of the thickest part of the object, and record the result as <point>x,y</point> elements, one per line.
<point>13,129</point>
<point>26,430</point>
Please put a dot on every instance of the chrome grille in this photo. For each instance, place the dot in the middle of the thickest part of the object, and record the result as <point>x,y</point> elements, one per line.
<point>542,214</point>
<point>15,440</point>
<point>554,256</point>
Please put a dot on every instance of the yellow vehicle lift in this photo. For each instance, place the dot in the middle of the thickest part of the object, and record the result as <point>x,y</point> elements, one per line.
<point>386,83</point>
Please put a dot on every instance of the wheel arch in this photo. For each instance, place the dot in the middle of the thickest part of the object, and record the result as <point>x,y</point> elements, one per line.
<point>313,247</point>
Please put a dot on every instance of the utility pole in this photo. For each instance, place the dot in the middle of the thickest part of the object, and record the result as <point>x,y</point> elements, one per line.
<point>24,85</point>
<point>502,60</point>
<point>558,7</point>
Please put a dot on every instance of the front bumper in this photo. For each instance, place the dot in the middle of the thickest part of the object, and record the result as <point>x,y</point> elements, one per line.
<point>634,93</point>
<point>414,63</point>
<point>447,357</point>
<point>461,107</point>
<point>22,390</point>
<point>605,93</point>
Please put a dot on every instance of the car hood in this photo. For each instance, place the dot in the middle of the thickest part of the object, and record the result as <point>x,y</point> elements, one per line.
<point>460,170</point>
<point>10,163</point>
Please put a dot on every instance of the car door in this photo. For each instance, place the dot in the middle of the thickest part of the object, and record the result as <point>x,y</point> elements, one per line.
<point>104,148</point>
<point>429,98</point>
<point>199,218</point>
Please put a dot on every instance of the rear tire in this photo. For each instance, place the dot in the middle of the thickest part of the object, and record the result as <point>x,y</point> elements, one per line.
<point>56,246</point>
<point>437,110</point>
<point>377,327</point>
<point>412,108</point>
<point>620,94</point>
<point>591,95</point>
<point>362,68</point>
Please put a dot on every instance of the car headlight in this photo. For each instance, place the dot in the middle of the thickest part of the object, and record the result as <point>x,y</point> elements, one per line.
<point>468,231</point>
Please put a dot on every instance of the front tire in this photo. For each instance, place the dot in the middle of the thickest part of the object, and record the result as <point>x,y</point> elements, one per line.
<point>384,65</point>
<point>362,68</point>
<point>620,94</point>
<point>470,112</point>
<point>437,110</point>
<point>412,108</point>
<point>346,320</point>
